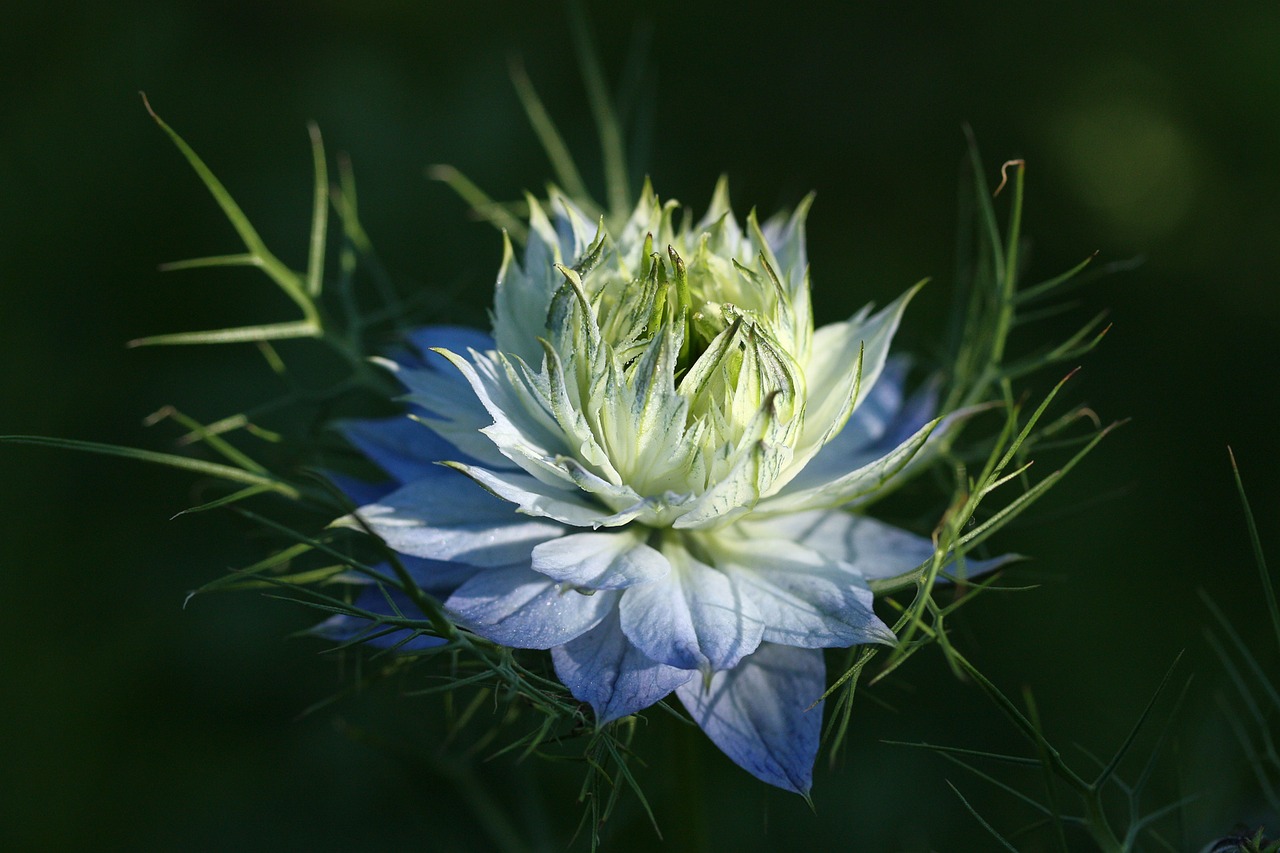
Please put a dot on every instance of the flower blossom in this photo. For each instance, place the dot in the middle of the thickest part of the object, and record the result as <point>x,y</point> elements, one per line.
<point>650,469</point>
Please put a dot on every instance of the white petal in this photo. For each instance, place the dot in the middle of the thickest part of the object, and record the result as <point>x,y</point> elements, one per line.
<point>915,413</point>
<point>762,453</point>
<point>820,488</point>
<point>833,365</point>
<point>785,235</point>
<point>601,560</point>
<point>759,713</point>
<point>522,297</point>
<point>731,497</point>
<point>534,497</point>
<point>879,410</point>
<point>521,426</point>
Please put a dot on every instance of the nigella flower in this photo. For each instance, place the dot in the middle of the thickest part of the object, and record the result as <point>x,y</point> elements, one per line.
<point>650,467</point>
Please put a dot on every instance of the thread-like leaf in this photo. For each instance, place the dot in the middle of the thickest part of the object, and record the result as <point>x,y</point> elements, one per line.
<point>199,466</point>
<point>553,144</point>
<point>1269,593</point>
<point>237,335</point>
<point>980,819</point>
<point>281,274</point>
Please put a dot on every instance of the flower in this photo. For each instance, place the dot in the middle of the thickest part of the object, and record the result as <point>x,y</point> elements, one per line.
<point>649,470</point>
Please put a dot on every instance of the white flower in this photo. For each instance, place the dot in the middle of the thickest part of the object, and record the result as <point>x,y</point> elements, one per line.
<point>648,469</point>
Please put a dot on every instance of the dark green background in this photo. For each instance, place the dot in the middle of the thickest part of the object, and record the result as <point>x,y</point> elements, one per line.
<point>1150,130</point>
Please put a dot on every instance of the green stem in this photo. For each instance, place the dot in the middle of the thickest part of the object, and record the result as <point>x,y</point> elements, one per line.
<point>1099,828</point>
<point>1009,285</point>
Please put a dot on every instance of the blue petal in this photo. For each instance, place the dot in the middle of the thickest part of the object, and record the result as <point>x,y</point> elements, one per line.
<point>426,338</point>
<point>694,618</point>
<point>344,628</point>
<point>602,667</point>
<point>438,577</point>
<point>445,516</point>
<point>404,448</point>
<point>359,491</point>
<point>759,713</point>
<point>518,607</point>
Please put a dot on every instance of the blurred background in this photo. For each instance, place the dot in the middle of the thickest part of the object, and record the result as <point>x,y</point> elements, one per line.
<point>1150,131</point>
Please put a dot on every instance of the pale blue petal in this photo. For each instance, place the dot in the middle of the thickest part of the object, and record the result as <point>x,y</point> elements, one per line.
<point>694,618</point>
<point>859,447</point>
<point>804,598</point>
<point>915,412</point>
<point>759,713</point>
<point>346,628</point>
<point>785,235</point>
<point>518,607</point>
<point>445,516</point>
<point>911,416</point>
<point>439,392</point>
<point>435,577</point>
<point>603,668</point>
<point>871,548</point>
<point>914,415</point>
<point>404,447</point>
<point>601,560</point>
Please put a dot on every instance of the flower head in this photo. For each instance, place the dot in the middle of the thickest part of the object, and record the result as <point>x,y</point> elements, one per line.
<point>649,469</point>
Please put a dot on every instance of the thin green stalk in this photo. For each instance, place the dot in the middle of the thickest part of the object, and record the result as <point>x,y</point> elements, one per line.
<point>286,278</point>
<point>198,466</point>
<point>1033,712</point>
<point>319,214</point>
<point>1098,826</point>
<point>617,185</point>
<point>1269,593</point>
<point>1009,285</point>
